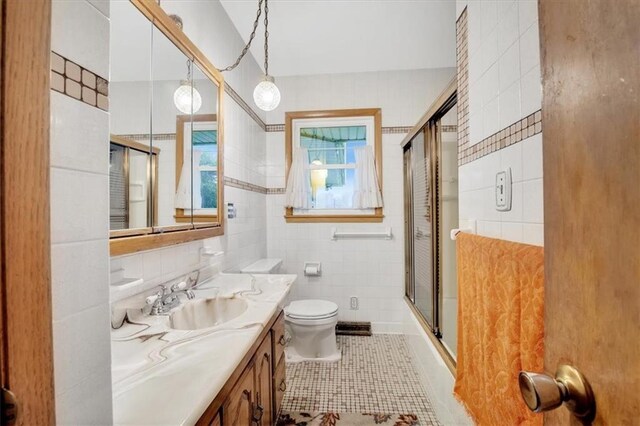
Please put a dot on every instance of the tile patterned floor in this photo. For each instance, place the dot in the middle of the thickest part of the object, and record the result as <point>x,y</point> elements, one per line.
<point>375,375</point>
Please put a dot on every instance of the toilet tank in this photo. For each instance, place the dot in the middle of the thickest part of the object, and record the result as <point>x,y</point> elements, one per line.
<point>263,266</point>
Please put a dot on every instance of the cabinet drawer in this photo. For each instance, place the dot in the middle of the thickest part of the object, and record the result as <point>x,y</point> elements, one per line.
<point>279,386</point>
<point>278,340</point>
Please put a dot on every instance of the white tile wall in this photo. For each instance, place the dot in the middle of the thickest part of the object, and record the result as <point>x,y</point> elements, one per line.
<point>504,64</point>
<point>79,203</point>
<point>73,18</point>
<point>371,270</point>
<point>524,222</point>
<point>504,87</point>
<point>79,225</point>
<point>403,95</point>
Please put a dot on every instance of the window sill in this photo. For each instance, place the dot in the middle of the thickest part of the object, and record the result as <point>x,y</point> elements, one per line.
<point>369,218</point>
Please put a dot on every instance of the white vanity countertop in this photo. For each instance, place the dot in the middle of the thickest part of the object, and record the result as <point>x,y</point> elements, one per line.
<point>163,376</point>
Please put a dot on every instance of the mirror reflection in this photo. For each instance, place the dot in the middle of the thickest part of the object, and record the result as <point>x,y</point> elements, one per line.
<point>171,90</point>
<point>130,167</point>
<point>202,136</point>
<point>164,124</point>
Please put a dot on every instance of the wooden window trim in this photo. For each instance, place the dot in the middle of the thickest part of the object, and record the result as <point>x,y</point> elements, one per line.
<point>181,120</point>
<point>376,113</point>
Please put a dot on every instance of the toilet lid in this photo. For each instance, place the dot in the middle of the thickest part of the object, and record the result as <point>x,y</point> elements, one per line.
<point>311,309</point>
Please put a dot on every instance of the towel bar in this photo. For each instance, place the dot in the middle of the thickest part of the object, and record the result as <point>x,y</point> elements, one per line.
<point>387,235</point>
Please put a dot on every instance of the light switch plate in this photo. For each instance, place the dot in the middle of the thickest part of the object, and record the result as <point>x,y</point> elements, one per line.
<point>503,190</point>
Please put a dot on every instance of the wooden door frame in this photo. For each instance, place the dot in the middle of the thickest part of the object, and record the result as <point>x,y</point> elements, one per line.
<point>25,274</point>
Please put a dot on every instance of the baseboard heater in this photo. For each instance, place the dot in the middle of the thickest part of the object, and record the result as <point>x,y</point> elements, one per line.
<point>352,328</point>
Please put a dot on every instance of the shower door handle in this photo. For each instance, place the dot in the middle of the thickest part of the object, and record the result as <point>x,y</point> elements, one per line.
<point>541,392</point>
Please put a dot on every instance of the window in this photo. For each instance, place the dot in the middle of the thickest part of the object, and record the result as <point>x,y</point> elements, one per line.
<point>328,177</point>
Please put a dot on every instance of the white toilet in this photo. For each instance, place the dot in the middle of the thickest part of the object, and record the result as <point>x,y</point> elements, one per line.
<point>311,325</point>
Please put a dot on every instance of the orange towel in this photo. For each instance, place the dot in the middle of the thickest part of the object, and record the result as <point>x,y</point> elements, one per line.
<point>500,327</point>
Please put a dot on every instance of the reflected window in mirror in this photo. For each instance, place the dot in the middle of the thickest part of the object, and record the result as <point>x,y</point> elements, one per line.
<point>197,163</point>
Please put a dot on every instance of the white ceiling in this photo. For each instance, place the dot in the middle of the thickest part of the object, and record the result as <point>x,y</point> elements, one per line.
<point>340,36</point>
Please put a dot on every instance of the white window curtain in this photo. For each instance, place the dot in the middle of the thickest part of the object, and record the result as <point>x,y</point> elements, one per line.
<point>298,183</point>
<point>366,194</point>
<point>183,193</point>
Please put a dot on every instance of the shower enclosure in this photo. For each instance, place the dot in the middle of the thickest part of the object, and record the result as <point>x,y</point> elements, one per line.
<point>431,211</point>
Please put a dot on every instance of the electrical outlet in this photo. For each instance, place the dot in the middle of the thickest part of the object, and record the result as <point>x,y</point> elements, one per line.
<point>354,303</point>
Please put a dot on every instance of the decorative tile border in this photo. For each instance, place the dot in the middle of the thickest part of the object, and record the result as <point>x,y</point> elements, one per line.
<point>276,191</point>
<point>518,131</point>
<point>463,83</point>
<point>275,128</point>
<point>155,137</point>
<point>236,97</point>
<point>514,133</point>
<point>236,183</point>
<point>396,130</point>
<point>79,83</point>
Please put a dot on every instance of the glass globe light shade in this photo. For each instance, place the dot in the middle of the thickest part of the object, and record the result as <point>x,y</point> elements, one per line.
<point>184,96</point>
<point>266,94</point>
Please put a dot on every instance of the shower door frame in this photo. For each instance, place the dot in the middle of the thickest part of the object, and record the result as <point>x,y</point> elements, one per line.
<point>429,123</point>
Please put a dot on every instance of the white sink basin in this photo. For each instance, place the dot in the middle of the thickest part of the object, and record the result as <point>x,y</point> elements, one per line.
<point>205,313</point>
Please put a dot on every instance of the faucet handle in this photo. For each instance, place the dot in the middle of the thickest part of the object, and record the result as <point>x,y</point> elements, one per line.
<point>151,300</point>
<point>179,286</point>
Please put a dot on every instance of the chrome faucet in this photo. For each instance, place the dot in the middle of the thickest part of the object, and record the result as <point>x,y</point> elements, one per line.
<point>163,301</point>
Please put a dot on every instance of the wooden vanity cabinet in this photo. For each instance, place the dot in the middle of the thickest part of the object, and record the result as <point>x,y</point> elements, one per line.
<point>238,409</point>
<point>253,394</point>
<point>264,399</point>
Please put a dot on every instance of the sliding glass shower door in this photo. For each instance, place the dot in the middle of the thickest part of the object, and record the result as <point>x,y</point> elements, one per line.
<point>431,211</point>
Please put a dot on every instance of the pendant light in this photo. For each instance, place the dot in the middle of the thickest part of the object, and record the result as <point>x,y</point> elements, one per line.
<point>266,95</point>
<point>186,97</point>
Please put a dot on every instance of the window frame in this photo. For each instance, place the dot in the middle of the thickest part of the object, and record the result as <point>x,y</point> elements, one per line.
<point>377,213</point>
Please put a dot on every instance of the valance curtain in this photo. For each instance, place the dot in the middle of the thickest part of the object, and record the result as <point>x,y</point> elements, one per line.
<point>183,193</point>
<point>298,183</point>
<point>366,194</point>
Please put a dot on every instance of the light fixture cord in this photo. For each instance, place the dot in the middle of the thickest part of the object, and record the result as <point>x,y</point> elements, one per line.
<point>253,34</point>
<point>266,38</point>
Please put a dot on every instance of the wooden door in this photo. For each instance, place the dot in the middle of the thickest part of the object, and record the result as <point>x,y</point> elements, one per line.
<point>25,278</point>
<point>238,409</point>
<point>591,134</point>
<point>263,381</point>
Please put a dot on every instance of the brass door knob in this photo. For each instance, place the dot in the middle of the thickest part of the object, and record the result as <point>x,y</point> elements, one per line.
<point>542,392</point>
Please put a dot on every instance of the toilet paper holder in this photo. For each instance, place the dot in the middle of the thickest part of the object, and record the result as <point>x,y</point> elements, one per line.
<point>312,269</point>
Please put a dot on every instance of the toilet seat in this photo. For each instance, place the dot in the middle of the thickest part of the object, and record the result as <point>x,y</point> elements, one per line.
<point>311,309</point>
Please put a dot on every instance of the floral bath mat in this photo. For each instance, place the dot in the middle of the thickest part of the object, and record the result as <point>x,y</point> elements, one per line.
<point>346,419</point>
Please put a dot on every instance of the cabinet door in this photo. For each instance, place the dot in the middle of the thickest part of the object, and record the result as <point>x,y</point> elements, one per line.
<point>279,341</point>
<point>238,410</point>
<point>263,363</point>
<point>279,386</point>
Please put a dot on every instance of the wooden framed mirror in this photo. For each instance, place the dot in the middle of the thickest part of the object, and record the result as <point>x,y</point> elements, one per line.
<point>166,148</point>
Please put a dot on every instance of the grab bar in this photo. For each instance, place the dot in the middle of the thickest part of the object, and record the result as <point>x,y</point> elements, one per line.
<point>387,235</point>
